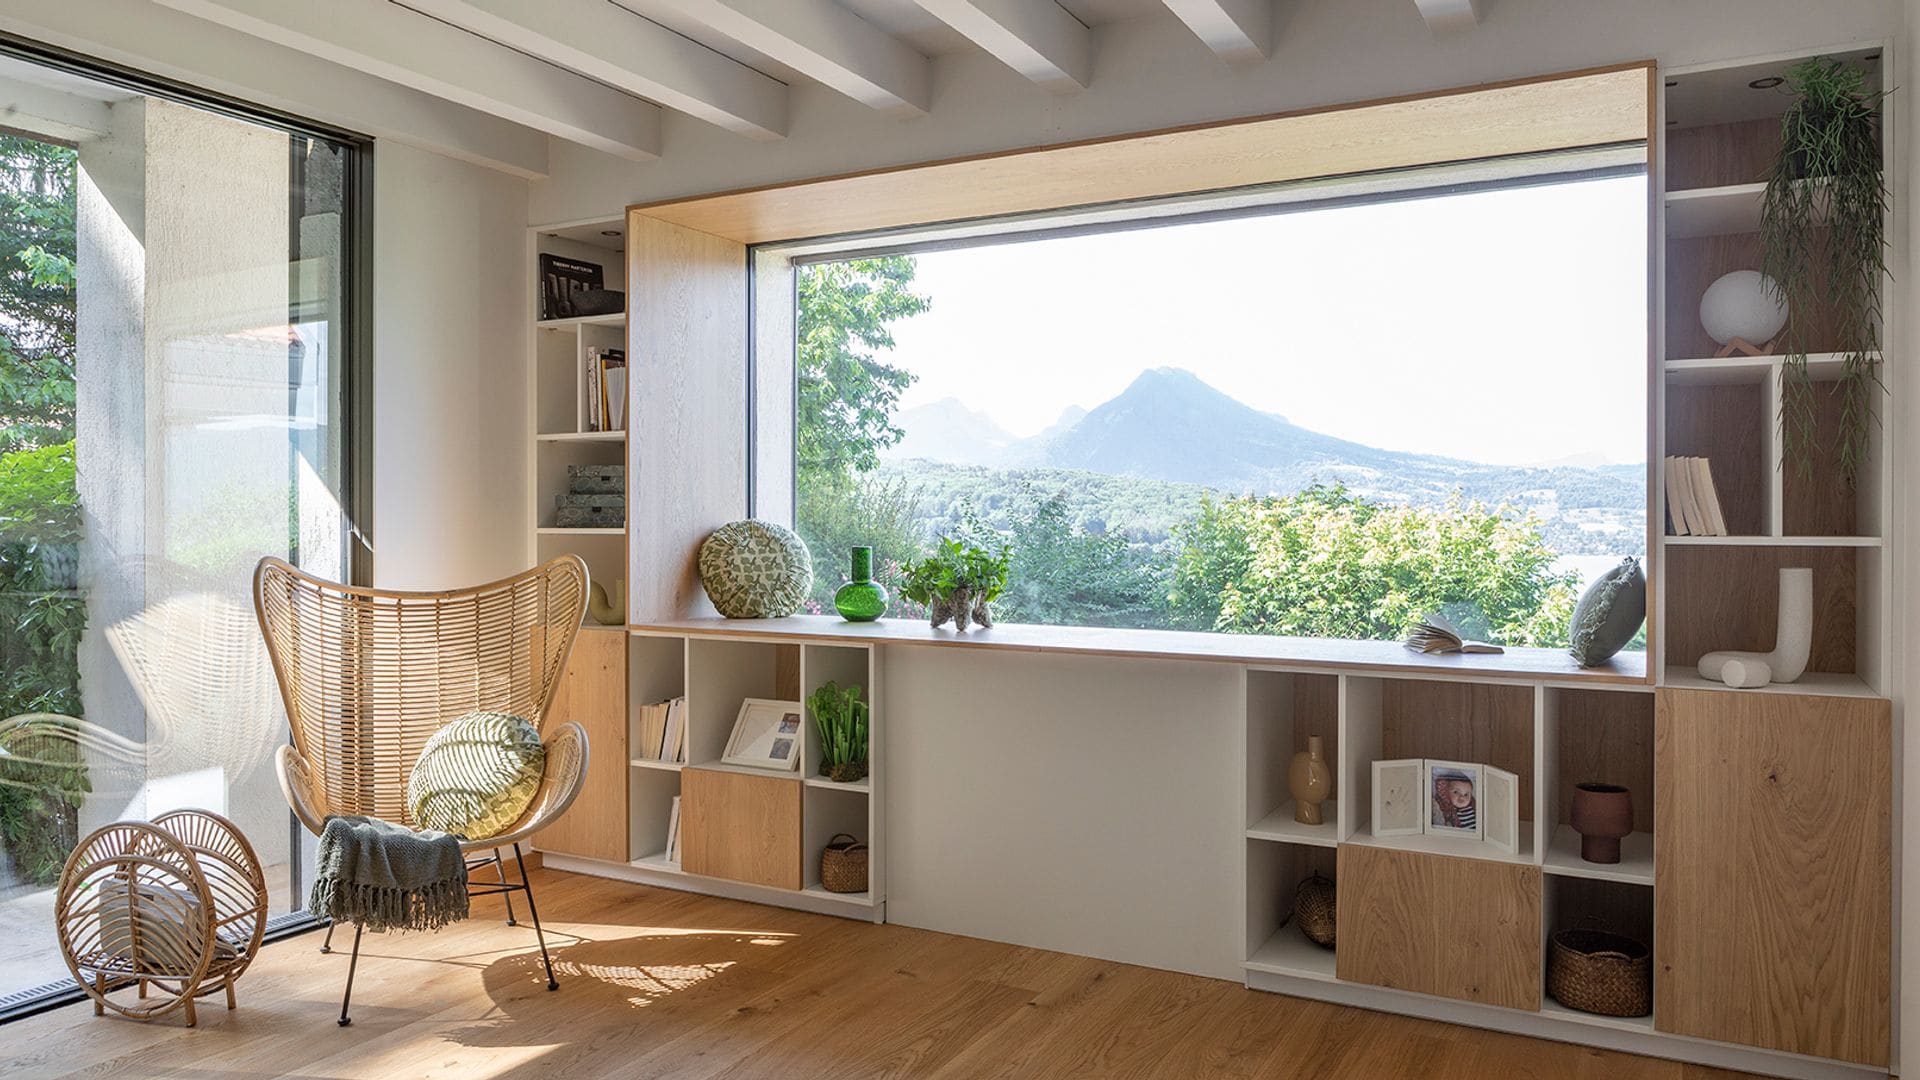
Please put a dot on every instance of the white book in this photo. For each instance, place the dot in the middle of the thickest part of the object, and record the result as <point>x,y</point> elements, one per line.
<point>1678,479</point>
<point>616,399</point>
<point>1708,497</point>
<point>672,852</point>
<point>592,402</point>
<point>675,730</point>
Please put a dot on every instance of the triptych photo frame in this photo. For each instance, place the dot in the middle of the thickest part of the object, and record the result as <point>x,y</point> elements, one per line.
<point>1434,797</point>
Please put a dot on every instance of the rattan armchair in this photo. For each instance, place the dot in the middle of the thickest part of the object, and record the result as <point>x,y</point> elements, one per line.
<point>368,675</point>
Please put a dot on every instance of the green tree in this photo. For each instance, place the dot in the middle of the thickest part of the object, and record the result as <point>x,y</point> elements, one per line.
<point>37,251</point>
<point>1326,563</point>
<point>1063,575</point>
<point>847,393</point>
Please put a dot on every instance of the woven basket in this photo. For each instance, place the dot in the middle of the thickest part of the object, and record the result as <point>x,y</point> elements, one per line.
<point>1313,909</point>
<point>1598,972</point>
<point>843,865</point>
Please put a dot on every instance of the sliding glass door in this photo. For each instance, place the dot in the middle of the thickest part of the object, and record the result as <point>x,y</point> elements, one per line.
<point>176,316</point>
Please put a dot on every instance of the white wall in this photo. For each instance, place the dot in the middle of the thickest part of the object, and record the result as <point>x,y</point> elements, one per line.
<point>450,339</point>
<point>1151,73</point>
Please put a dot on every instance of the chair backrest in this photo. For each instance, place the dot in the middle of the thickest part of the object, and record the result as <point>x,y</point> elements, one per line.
<point>368,675</point>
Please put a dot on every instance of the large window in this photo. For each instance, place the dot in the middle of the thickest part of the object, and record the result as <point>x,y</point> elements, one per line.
<point>175,295</point>
<point>1325,417</point>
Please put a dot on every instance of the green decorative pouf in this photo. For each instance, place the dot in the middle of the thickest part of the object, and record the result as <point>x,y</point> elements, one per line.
<point>755,570</point>
<point>477,775</point>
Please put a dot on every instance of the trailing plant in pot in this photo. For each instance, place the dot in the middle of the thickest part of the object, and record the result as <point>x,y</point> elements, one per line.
<point>958,582</point>
<point>1822,233</point>
<point>840,718</point>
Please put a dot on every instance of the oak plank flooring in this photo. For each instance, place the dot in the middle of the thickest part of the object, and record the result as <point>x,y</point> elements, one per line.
<point>656,983</point>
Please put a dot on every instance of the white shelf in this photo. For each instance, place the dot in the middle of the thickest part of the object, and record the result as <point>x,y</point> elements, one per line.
<point>658,862</point>
<point>744,770</point>
<point>1635,866</point>
<point>1775,541</point>
<point>1685,677</point>
<point>1639,1024</point>
<point>864,785</point>
<point>618,318</point>
<point>555,530</point>
<point>1280,826</point>
<point>581,436</point>
<point>653,763</point>
<point>1714,211</point>
<point>1288,952</point>
<point>857,899</point>
<point>1448,845</point>
<point>1710,370</point>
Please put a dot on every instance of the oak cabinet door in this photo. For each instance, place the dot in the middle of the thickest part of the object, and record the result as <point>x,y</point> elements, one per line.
<point>740,826</point>
<point>593,693</point>
<point>1436,924</point>
<point>1773,871</point>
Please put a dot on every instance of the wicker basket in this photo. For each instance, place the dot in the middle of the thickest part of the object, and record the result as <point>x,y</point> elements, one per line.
<point>843,865</point>
<point>1313,909</point>
<point>1598,972</point>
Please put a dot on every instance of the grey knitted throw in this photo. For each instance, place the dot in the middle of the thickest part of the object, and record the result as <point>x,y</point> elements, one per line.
<point>388,877</point>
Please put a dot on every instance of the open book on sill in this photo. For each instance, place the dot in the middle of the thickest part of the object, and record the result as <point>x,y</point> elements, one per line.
<point>1436,634</point>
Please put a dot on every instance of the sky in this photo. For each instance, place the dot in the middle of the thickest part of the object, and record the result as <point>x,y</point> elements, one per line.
<point>1505,326</point>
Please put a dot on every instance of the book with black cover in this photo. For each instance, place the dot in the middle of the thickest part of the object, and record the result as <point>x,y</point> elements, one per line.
<point>560,278</point>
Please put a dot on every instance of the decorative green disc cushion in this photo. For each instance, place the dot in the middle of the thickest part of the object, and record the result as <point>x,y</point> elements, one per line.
<point>477,775</point>
<point>755,570</point>
<point>1609,614</point>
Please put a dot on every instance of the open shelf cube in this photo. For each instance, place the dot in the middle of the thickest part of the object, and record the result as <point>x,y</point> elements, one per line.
<point>1284,710</point>
<point>1274,941</point>
<point>1574,903</point>
<point>1596,736</point>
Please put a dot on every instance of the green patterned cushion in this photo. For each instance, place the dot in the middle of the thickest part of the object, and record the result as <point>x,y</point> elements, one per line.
<point>477,775</point>
<point>755,570</point>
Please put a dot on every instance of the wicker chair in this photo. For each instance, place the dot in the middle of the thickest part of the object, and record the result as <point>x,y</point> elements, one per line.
<point>368,675</point>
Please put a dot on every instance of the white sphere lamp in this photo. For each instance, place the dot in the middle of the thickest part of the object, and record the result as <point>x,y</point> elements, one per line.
<point>1744,306</point>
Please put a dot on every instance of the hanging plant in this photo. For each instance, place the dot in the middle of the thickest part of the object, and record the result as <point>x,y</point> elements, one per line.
<point>1822,233</point>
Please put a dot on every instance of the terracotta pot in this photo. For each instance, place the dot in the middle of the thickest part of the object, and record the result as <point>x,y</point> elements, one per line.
<point>1309,780</point>
<point>1602,814</point>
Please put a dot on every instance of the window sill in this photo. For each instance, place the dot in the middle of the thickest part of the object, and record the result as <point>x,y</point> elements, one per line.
<point>1334,654</point>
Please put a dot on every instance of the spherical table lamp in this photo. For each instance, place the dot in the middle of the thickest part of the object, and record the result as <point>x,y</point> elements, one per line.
<point>1743,311</point>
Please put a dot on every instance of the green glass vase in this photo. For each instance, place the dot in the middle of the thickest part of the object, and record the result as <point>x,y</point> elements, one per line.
<point>862,599</point>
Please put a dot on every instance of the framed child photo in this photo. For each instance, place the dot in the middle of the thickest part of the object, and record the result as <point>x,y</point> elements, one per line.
<point>1453,790</point>
<point>1399,797</point>
<point>766,735</point>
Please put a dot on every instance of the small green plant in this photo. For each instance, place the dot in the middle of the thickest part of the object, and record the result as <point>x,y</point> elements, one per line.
<point>841,719</point>
<point>958,581</point>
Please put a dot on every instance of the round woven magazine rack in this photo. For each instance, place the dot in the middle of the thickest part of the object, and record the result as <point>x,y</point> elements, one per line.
<point>1599,972</point>
<point>172,909</point>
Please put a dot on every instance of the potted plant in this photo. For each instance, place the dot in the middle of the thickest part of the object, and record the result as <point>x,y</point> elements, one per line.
<point>958,582</point>
<point>1822,232</point>
<point>840,718</point>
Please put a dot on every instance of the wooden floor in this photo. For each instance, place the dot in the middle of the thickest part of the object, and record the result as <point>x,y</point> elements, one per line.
<point>656,983</point>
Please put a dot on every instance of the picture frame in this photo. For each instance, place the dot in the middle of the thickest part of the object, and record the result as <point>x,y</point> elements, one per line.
<point>766,735</point>
<point>1454,792</point>
<point>1500,809</point>
<point>1399,797</point>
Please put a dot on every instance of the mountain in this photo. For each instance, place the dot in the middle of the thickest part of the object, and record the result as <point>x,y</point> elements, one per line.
<point>948,431</point>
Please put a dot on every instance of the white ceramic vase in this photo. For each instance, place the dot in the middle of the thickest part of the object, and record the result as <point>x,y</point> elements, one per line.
<point>1792,641</point>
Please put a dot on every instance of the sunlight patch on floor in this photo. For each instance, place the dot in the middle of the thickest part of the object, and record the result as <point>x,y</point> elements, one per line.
<point>645,984</point>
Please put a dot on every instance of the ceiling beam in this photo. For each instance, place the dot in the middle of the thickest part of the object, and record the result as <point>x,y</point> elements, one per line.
<point>607,42</point>
<point>417,51</point>
<point>1444,15</point>
<point>826,43</point>
<point>1036,38</point>
<point>1238,31</point>
<point>50,113</point>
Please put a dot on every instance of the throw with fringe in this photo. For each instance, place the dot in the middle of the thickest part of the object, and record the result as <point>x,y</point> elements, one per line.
<point>388,877</point>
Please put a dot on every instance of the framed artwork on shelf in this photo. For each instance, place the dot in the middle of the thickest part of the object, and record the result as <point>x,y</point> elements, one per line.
<point>1500,808</point>
<point>1399,799</point>
<point>1455,804</point>
<point>766,735</point>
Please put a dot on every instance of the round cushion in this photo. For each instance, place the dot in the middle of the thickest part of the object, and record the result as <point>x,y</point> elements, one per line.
<point>1609,614</point>
<point>477,775</point>
<point>755,570</point>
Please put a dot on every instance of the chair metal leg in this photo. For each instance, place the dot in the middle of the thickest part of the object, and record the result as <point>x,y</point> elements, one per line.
<point>351,965</point>
<point>527,883</point>
<point>500,867</point>
<point>327,945</point>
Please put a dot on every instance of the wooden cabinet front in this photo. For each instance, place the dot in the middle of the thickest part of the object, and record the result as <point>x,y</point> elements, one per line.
<point>740,826</point>
<point>1457,927</point>
<point>593,693</point>
<point>1773,879</point>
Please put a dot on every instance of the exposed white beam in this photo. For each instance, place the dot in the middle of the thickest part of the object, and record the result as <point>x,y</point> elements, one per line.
<point>1036,38</point>
<point>826,43</point>
<point>1239,31</point>
<point>607,42</point>
<point>144,36</point>
<point>1444,15</point>
<point>414,50</point>
<point>50,113</point>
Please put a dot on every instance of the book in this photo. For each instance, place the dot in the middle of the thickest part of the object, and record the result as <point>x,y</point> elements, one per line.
<point>615,383</point>
<point>1436,634</point>
<point>674,741</point>
<point>560,278</point>
<point>1680,497</point>
<point>592,383</point>
<point>672,851</point>
<point>609,364</point>
<point>653,729</point>
<point>1708,498</point>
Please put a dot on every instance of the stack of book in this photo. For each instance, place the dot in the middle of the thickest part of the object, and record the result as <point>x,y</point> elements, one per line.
<point>604,384</point>
<point>595,498</point>
<point>663,731</point>
<point>1693,506</point>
